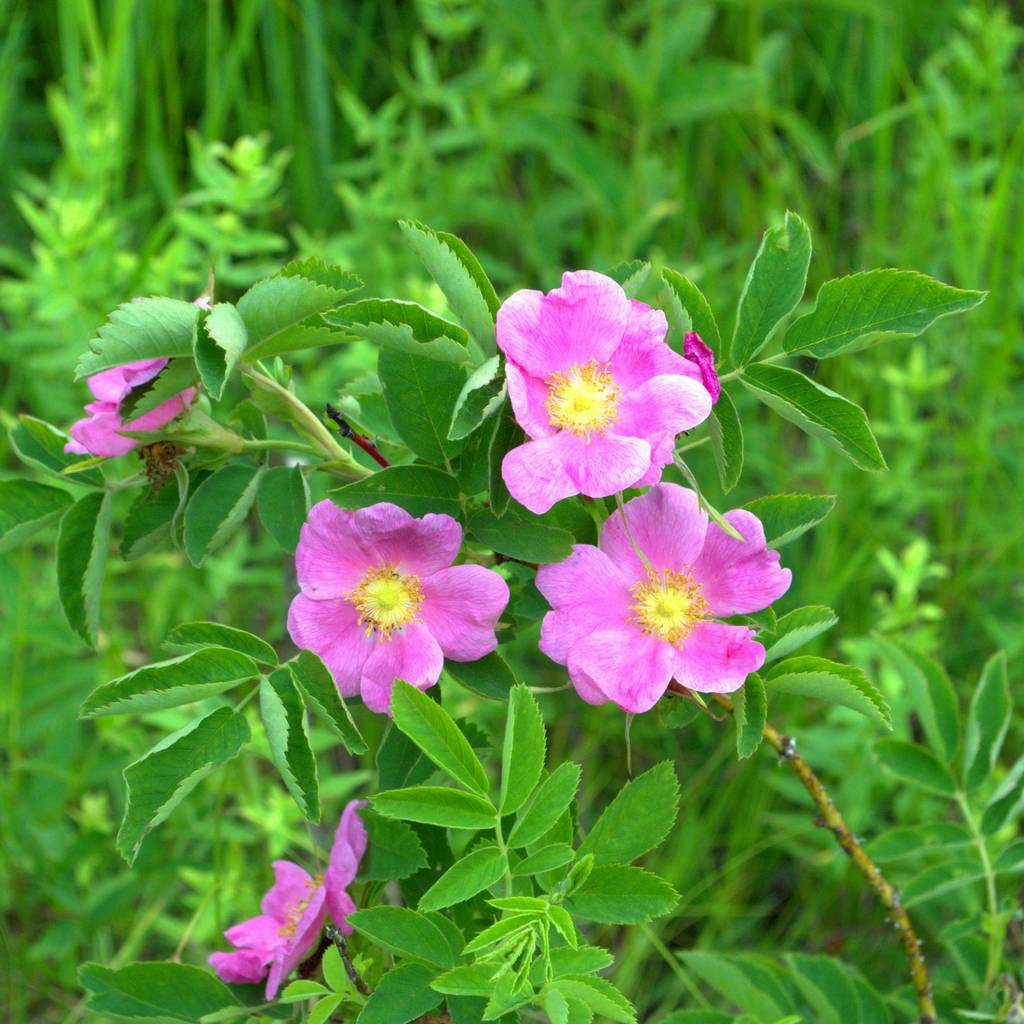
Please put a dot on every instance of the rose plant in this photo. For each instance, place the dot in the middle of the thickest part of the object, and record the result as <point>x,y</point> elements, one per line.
<point>514,469</point>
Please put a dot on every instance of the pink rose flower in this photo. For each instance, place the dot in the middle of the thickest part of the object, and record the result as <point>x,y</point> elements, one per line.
<point>625,629</point>
<point>294,909</point>
<point>380,599</point>
<point>99,433</point>
<point>595,387</point>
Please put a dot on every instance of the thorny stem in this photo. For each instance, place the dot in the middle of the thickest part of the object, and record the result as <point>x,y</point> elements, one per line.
<point>357,439</point>
<point>337,936</point>
<point>830,818</point>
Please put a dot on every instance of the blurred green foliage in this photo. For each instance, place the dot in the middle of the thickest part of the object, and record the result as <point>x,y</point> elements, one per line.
<point>145,143</point>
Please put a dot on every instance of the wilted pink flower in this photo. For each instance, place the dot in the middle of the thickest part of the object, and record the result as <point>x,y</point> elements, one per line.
<point>99,433</point>
<point>696,352</point>
<point>596,388</point>
<point>294,909</point>
<point>380,599</point>
<point>625,629</point>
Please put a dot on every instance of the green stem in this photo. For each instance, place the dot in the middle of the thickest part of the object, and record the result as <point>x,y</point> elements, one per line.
<point>275,445</point>
<point>500,837</point>
<point>738,372</point>
<point>675,966</point>
<point>995,937</point>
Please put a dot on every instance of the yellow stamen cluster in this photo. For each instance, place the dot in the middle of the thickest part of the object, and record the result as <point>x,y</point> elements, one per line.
<point>387,600</point>
<point>668,605</point>
<point>293,917</point>
<point>584,399</point>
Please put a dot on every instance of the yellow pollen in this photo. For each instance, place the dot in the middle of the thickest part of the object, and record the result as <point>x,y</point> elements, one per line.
<point>294,912</point>
<point>584,400</point>
<point>668,605</point>
<point>386,600</point>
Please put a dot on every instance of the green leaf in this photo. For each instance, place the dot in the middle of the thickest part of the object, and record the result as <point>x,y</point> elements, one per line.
<point>740,980</point>
<point>582,960</point>
<point>877,302</point>
<point>218,508</point>
<point>284,720</point>
<point>691,298</point>
<point>404,932</point>
<point>750,708</point>
<point>517,534</point>
<point>25,507</point>
<point>151,328</point>
<point>934,698</point>
<point>168,684</point>
<point>481,397</point>
<point>220,346</point>
<point>726,435</point>
<point>324,1010</point>
<point>154,991</point>
<point>774,286</point>
<point>469,875</point>
<point>830,681</point>
<point>941,879</point>
<point>435,805</point>
<point>489,676</point>
<point>546,806</point>
<point>195,635</point>
<point>431,728</point>
<point>467,980</point>
<point>815,409</point>
<point>82,543</point>
<point>459,275</point>
<point>826,987</point>
<point>1011,860</point>
<point>403,326</point>
<point>418,489</point>
<point>632,275</point>
<point>599,994</point>
<point>1007,802</point>
<point>41,444</point>
<point>786,516</point>
<point>546,859</point>
<point>153,516</point>
<point>795,629</point>
<point>393,850</point>
<point>987,722</point>
<point>163,777</point>
<point>507,435</point>
<point>283,501</point>
<point>913,841</point>
<point>400,762</point>
<point>402,995</point>
<point>637,820</point>
<point>522,757</point>
<point>174,378</point>
<point>321,693</point>
<point>618,894</point>
<point>330,275</point>
<point>914,764</point>
<point>421,395</point>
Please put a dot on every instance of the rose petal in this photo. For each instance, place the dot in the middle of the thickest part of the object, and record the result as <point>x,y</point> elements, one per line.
<point>536,473</point>
<point>414,546</point>
<point>717,658</point>
<point>262,933</point>
<point>628,666</point>
<point>664,405</point>
<point>461,607</point>
<point>333,554</point>
<point>291,886</point>
<point>412,654</point>
<point>243,967</point>
<point>332,631</point>
<point>529,397</point>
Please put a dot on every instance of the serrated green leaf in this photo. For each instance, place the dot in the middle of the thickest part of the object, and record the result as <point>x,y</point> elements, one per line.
<point>148,523</point>
<point>619,894</point>
<point>330,275</point>
<point>219,346</point>
<point>750,709</point>
<point>159,780</point>
<point>987,722</point>
<point>548,858</point>
<point>1011,860</point>
<point>816,410</point>
<point>149,328</point>
<point>522,758</point>
<point>637,820</point>
<point>468,980</point>
<point>393,850</point>
<point>726,435</point>
<point>481,397</point>
<point>786,516</point>
<point>218,507</point>
<point>41,444</point>
<point>168,684</point>
<point>941,879</point>
<point>581,960</point>
<point>739,981</point>
<point>1007,802</point>
<point>795,629</point>
<point>472,873</point>
<point>519,535</point>
<point>27,506</point>
<point>459,275</point>
<point>403,326</point>
<point>435,805</point>
<point>599,994</point>
<point>418,489</point>
<point>82,543</point>
<point>826,987</point>
<point>284,721</point>
<point>283,502</point>
<point>155,991</point>
<point>421,395</point>
<point>507,435</point>
<point>916,765</point>
<point>632,275</point>
<point>691,298</point>
<point>324,1010</point>
<point>195,635</point>
<point>402,995</point>
<point>774,285</point>
<point>913,841</point>
<point>405,932</point>
<point>400,762</point>
<point>321,693</point>
<point>431,728</point>
<point>862,306</point>
<point>489,676</point>
<point>174,378</point>
<point>546,806</point>
<point>830,681</point>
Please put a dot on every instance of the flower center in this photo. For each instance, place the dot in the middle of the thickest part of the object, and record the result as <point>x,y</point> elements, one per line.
<point>584,400</point>
<point>387,600</point>
<point>294,912</point>
<point>668,605</point>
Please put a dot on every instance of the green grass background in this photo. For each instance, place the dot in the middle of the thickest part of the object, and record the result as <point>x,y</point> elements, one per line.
<point>143,142</point>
